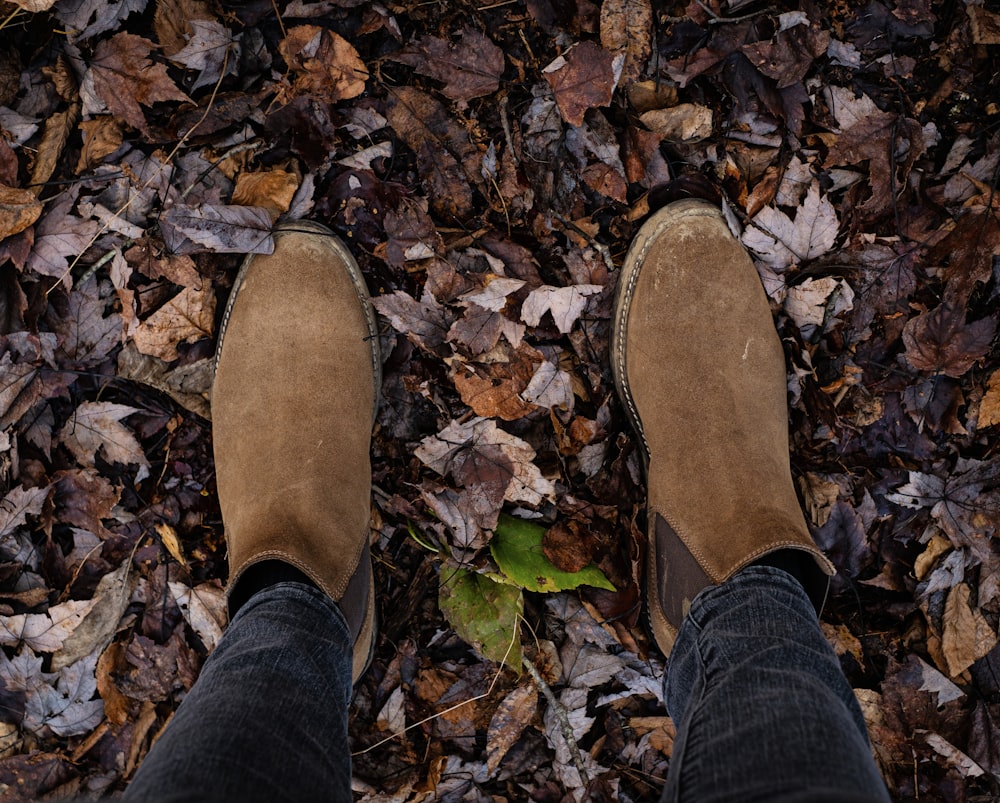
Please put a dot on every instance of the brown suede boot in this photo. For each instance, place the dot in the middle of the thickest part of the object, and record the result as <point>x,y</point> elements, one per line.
<point>296,389</point>
<point>700,371</point>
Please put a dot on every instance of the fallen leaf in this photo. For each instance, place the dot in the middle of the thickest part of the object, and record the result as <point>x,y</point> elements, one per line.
<point>447,157</point>
<point>172,22</point>
<point>584,78</point>
<point>967,635</point>
<point>550,387</point>
<point>565,304</point>
<point>478,454</point>
<point>124,77</point>
<point>219,228</point>
<point>627,27</point>
<point>512,716</point>
<point>516,546</point>
<point>272,190</point>
<point>188,385</point>
<point>187,317</point>
<point>424,322</point>
<point>211,49</point>
<point>17,505</point>
<point>782,243</point>
<point>102,136</point>
<point>469,68</point>
<point>18,210</point>
<point>329,68</point>
<point>60,234</point>
<point>686,122</point>
<point>100,622</point>
<point>939,340</point>
<point>989,407</point>
<point>204,608</point>
<point>484,614</point>
<point>95,427</point>
<point>45,632</point>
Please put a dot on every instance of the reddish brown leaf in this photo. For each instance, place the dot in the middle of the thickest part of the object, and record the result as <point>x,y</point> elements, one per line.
<point>627,27</point>
<point>582,79</point>
<point>125,77</point>
<point>469,68</point>
<point>939,340</point>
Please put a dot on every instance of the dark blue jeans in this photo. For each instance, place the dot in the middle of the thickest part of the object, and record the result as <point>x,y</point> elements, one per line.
<point>762,708</point>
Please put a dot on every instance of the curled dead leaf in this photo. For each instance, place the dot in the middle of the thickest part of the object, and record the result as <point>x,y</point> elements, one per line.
<point>18,210</point>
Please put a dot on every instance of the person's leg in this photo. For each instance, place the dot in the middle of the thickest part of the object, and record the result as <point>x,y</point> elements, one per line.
<point>295,393</point>
<point>763,711</point>
<point>267,718</point>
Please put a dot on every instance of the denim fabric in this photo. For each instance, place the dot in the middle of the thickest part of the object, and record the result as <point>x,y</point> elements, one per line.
<point>267,718</point>
<point>763,711</point>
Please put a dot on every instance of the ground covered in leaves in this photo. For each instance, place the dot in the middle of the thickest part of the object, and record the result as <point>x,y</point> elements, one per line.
<point>488,162</point>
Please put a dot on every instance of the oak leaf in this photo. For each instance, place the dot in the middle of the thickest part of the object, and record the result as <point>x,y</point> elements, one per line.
<point>124,77</point>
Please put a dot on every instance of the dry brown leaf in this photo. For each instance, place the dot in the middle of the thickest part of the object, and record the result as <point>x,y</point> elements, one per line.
<point>511,717</point>
<point>102,136</point>
<point>328,66</point>
<point>627,27</point>
<point>58,127</point>
<point>939,340</point>
<point>96,427</point>
<point>469,68</point>
<point>687,122</point>
<point>124,77</point>
<point>967,635</point>
<point>156,263</point>
<point>272,189</point>
<point>582,79</point>
<point>989,407</point>
<point>172,22</point>
<point>18,210</point>
<point>187,317</point>
<point>448,159</point>
<point>34,6</point>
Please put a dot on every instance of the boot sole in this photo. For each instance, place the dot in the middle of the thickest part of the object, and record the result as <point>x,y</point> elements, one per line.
<point>663,631</point>
<point>369,629</point>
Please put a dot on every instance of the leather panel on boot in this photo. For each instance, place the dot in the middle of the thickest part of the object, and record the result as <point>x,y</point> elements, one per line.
<point>701,370</point>
<point>293,400</point>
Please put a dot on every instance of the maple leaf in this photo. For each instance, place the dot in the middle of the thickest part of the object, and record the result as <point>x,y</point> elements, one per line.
<point>939,340</point>
<point>17,505</point>
<point>469,68</point>
<point>95,427</point>
<point>86,336</point>
<point>565,304</point>
<point>583,78</point>
<point>60,234</point>
<point>106,15</point>
<point>44,632</point>
<point>187,317</point>
<point>123,77</point>
<point>494,389</point>
<point>329,67</point>
<point>424,322</point>
<point>60,703</point>
<point>782,243</point>
<point>878,137</point>
<point>550,387</point>
<point>478,454</point>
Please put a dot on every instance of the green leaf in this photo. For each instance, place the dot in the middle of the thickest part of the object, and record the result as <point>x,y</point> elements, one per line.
<point>517,549</point>
<point>484,613</point>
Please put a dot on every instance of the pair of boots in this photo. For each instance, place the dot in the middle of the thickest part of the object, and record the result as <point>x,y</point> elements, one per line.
<point>698,367</point>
